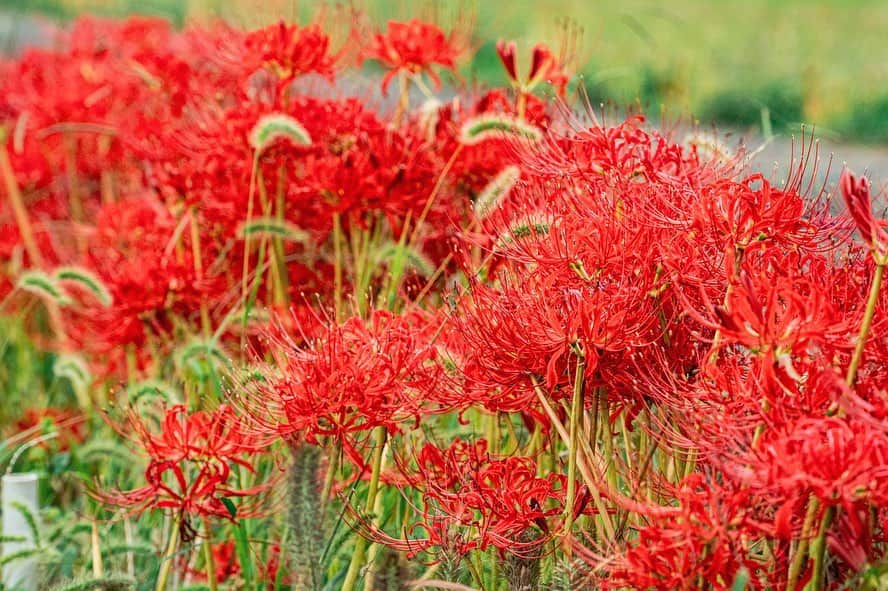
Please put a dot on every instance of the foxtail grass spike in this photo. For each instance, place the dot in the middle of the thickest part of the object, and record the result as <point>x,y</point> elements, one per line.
<point>491,125</point>
<point>271,128</point>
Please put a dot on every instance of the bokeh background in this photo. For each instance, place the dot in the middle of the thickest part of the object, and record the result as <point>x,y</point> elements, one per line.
<point>766,65</point>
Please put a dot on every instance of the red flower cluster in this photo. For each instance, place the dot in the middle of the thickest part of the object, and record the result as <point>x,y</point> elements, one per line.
<point>679,366</point>
<point>472,501</point>
<point>190,465</point>
<point>349,380</point>
<point>414,47</point>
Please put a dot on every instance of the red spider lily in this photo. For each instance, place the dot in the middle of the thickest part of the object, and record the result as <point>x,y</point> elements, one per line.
<point>738,216</point>
<point>413,47</point>
<point>473,501</point>
<point>516,336</point>
<point>713,310</point>
<point>292,51</point>
<point>698,542</point>
<point>190,464</point>
<point>353,377</point>
<point>132,248</point>
<point>626,148</point>
<point>780,317</point>
<point>856,193</point>
<point>840,462</point>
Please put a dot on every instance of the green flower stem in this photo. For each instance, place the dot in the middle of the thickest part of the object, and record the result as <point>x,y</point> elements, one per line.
<point>168,555</point>
<point>798,558</point>
<point>212,581</point>
<point>361,544</point>
<point>576,410</point>
<point>818,550</point>
<point>865,326</point>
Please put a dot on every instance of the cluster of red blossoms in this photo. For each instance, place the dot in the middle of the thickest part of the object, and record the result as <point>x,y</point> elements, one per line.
<point>515,335</point>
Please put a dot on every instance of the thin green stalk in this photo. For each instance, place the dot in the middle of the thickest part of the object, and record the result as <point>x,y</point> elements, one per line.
<point>19,210</point>
<point>818,550</point>
<point>283,279</point>
<point>627,442</point>
<point>338,266</point>
<point>130,542</point>
<point>607,438</point>
<point>197,254</point>
<point>396,268</point>
<point>26,230</point>
<point>521,104</point>
<point>582,466</point>
<point>403,97</point>
<point>330,477</point>
<point>373,552</point>
<point>257,281</point>
<point>97,566</point>
<point>865,326</point>
<point>593,431</point>
<point>212,578</point>
<point>245,274</point>
<point>168,556</point>
<point>576,410</point>
<point>433,195</point>
<point>75,198</point>
<point>801,553</point>
<point>360,551</point>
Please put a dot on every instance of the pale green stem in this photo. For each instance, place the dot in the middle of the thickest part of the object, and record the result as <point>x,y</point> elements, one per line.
<point>801,553</point>
<point>212,581</point>
<point>576,410</point>
<point>360,551</point>
<point>168,556</point>
<point>338,266</point>
<point>865,326</point>
<point>818,550</point>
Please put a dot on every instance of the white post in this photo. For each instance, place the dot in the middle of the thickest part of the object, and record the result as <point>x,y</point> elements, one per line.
<point>19,489</point>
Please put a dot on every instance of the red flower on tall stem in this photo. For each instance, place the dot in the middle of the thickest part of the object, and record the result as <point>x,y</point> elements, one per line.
<point>413,47</point>
<point>471,500</point>
<point>190,468</point>
<point>354,377</point>
<point>293,51</point>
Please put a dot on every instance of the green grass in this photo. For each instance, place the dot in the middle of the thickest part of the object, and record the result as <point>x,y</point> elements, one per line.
<point>815,61</point>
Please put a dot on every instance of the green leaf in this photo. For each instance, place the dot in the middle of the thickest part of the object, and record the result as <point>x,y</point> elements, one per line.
<point>229,504</point>
<point>242,548</point>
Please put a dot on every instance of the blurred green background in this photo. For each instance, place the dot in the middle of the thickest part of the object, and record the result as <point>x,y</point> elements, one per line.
<point>738,63</point>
